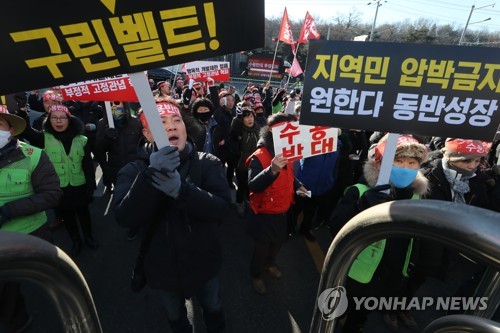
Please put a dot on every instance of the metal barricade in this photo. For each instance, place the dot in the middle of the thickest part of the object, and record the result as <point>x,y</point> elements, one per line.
<point>27,258</point>
<point>462,323</point>
<point>473,231</point>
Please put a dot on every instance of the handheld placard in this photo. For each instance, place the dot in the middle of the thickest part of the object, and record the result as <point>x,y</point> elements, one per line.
<point>388,159</point>
<point>109,114</point>
<point>148,104</point>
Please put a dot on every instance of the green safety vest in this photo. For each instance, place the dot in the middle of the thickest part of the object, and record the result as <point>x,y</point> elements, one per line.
<point>15,183</point>
<point>366,263</point>
<point>68,167</point>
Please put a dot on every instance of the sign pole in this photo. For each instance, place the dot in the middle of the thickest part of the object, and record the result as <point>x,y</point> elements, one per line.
<point>109,114</point>
<point>388,159</point>
<point>148,104</point>
<point>274,59</point>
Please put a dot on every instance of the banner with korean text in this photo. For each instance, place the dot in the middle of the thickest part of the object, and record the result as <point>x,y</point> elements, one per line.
<point>59,42</point>
<point>297,141</point>
<point>114,88</point>
<point>201,70</point>
<point>424,89</point>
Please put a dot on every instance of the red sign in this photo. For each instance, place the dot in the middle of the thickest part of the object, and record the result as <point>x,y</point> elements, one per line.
<point>262,67</point>
<point>114,88</point>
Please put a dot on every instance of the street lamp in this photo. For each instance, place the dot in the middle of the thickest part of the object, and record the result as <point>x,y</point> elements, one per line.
<point>468,19</point>
<point>378,4</point>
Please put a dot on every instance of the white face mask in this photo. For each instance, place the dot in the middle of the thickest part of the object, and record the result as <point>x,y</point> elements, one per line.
<point>4,138</point>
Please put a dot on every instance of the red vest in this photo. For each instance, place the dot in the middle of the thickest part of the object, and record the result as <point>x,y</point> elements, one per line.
<point>277,198</point>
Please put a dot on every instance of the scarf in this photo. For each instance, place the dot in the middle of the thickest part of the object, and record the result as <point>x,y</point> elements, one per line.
<point>459,184</point>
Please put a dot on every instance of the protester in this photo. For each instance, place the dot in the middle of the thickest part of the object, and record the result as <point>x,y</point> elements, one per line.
<point>63,140</point>
<point>49,97</point>
<point>382,269</point>
<point>89,112</point>
<point>232,91</point>
<point>179,87</point>
<point>223,115</point>
<point>244,134</point>
<point>184,256</point>
<point>208,135</point>
<point>455,177</point>
<point>29,187</point>
<point>260,115</point>
<point>272,186</point>
<point>319,174</point>
<point>118,145</point>
<point>164,93</point>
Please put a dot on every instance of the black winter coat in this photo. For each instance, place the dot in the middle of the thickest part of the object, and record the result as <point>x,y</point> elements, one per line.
<point>439,187</point>
<point>114,152</point>
<point>185,251</point>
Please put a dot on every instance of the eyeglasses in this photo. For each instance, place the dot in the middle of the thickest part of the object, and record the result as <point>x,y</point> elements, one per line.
<point>58,118</point>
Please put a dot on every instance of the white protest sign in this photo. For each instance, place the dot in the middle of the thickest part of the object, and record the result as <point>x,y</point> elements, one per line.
<point>148,104</point>
<point>201,70</point>
<point>109,114</point>
<point>388,159</point>
<point>297,141</point>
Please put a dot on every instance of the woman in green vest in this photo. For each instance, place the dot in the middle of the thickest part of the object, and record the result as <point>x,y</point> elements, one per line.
<point>381,270</point>
<point>66,146</point>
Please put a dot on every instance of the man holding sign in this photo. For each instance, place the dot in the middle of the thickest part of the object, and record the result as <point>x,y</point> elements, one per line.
<point>157,193</point>
<point>272,185</point>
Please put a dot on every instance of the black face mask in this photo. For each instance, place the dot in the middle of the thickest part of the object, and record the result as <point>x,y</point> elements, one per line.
<point>463,172</point>
<point>203,116</point>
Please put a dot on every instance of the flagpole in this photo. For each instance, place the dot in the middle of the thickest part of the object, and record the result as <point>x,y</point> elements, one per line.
<point>274,58</point>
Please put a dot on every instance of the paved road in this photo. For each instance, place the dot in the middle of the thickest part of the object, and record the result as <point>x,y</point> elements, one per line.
<point>287,307</point>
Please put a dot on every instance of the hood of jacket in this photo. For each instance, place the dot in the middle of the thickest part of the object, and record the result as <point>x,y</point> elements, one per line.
<point>371,170</point>
<point>266,139</point>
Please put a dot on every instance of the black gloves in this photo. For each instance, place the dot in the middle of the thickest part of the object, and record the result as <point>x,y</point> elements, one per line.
<point>165,160</point>
<point>374,196</point>
<point>112,133</point>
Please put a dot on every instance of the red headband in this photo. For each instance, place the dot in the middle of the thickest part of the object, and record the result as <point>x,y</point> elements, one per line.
<point>164,109</point>
<point>59,107</point>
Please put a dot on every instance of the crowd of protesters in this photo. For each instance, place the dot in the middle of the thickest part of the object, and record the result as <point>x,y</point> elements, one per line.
<point>219,142</point>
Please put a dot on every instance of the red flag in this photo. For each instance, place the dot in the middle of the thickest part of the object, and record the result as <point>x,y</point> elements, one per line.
<point>285,34</point>
<point>295,70</point>
<point>308,30</point>
<point>183,69</point>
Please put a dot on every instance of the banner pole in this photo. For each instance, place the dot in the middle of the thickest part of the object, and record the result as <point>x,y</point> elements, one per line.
<point>109,114</point>
<point>388,159</point>
<point>274,58</point>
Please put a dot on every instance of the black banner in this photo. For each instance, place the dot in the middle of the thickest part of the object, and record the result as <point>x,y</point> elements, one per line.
<point>46,44</point>
<point>433,90</point>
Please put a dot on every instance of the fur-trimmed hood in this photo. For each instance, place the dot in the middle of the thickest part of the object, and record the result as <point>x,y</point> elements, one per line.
<point>371,170</point>
<point>266,139</point>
